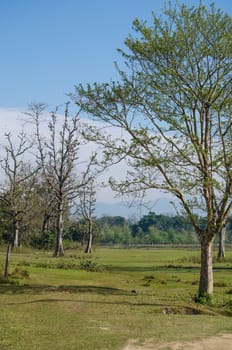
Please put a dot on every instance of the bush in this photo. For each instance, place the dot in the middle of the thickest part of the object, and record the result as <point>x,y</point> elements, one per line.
<point>44,241</point>
<point>90,266</point>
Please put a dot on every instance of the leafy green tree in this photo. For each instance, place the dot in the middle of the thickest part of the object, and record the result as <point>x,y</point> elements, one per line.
<point>106,234</point>
<point>178,227</point>
<point>44,241</point>
<point>114,229</point>
<point>173,103</point>
<point>112,220</point>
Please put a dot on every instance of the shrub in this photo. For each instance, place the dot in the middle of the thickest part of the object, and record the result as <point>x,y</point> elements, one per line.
<point>203,299</point>
<point>89,265</point>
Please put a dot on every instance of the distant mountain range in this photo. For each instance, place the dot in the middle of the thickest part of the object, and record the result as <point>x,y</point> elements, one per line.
<point>160,206</point>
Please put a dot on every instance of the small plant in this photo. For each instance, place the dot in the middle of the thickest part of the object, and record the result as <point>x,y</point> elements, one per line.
<point>149,277</point>
<point>148,280</point>
<point>227,306</point>
<point>204,299</point>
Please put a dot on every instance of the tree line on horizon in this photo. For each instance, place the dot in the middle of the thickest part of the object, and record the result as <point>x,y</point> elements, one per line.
<point>150,229</point>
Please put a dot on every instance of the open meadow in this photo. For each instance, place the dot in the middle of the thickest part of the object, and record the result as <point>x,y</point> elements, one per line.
<point>102,301</point>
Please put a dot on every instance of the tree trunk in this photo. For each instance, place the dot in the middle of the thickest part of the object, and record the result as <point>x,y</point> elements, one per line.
<point>44,224</point>
<point>221,247</point>
<point>59,250</point>
<point>7,261</point>
<point>90,238</point>
<point>206,273</point>
<point>15,232</point>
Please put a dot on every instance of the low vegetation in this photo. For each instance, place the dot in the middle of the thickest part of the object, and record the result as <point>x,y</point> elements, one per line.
<point>102,300</point>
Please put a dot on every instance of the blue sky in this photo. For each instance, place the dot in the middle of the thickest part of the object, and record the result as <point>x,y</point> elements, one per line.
<point>48,46</point>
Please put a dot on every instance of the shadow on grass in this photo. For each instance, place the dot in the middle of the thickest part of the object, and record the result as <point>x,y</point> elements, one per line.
<point>152,268</point>
<point>155,306</point>
<point>160,307</point>
<point>162,268</point>
<point>8,288</point>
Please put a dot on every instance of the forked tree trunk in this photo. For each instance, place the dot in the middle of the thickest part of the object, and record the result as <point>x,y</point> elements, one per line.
<point>59,250</point>
<point>206,272</point>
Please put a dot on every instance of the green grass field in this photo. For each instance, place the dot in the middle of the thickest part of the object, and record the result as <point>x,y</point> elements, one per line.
<point>56,303</point>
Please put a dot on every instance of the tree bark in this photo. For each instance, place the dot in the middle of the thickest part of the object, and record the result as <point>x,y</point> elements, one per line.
<point>90,238</point>
<point>44,225</point>
<point>59,250</point>
<point>7,261</point>
<point>221,247</point>
<point>206,272</point>
<point>15,232</point>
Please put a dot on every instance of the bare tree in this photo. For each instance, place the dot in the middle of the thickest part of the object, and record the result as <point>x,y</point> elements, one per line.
<point>18,188</point>
<point>47,204</point>
<point>86,208</point>
<point>58,156</point>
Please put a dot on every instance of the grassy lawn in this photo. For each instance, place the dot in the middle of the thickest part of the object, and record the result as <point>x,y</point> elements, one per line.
<point>52,303</point>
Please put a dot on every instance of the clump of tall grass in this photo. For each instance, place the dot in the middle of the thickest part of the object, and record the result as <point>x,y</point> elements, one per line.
<point>18,273</point>
<point>90,265</point>
<point>190,260</point>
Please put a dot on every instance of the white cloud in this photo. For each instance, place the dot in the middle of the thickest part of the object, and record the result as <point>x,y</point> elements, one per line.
<point>10,119</point>
<point>13,120</point>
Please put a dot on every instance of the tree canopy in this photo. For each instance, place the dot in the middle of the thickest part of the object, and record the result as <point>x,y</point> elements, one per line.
<point>174,101</point>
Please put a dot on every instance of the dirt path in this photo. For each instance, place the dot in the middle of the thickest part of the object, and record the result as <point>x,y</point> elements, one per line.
<point>223,342</point>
